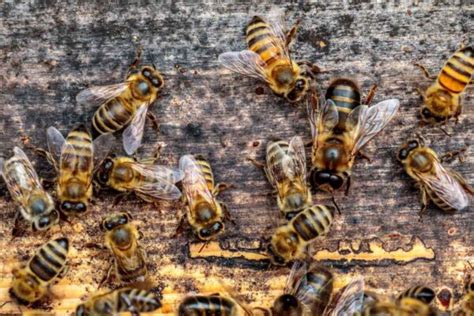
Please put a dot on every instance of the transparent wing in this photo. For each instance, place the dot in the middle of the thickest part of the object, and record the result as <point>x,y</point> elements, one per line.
<point>348,301</point>
<point>133,134</point>
<point>55,141</point>
<point>194,184</point>
<point>308,291</point>
<point>158,181</point>
<point>294,163</point>
<point>102,146</point>
<point>245,62</point>
<point>29,167</point>
<point>95,96</point>
<point>329,117</point>
<point>276,20</point>
<point>298,270</point>
<point>313,109</point>
<point>274,168</point>
<point>371,120</point>
<point>445,186</point>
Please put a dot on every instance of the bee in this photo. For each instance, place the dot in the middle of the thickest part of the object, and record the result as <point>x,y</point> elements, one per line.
<point>268,58</point>
<point>205,214</point>
<point>442,100</point>
<point>290,241</point>
<point>195,305</point>
<point>124,104</point>
<point>466,307</point>
<point>446,188</point>
<point>117,301</point>
<point>286,171</point>
<point>121,237</point>
<point>35,204</point>
<point>73,157</point>
<point>422,293</point>
<point>49,263</point>
<point>339,133</point>
<point>146,179</point>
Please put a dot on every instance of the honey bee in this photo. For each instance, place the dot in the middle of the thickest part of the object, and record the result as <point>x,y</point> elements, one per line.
<point>422,293</point>
<point>339,133</point>
<point>466,307</point>
<point>74,158</point>
<point>49,263</point>
<point>122,300</point>
<point>121,237</point>
<point>442,100</point>
<point>35,204</point>
<point>291,240</point>
<point>446,188</point>
<point>146,179</point>
<point>268,58</point>
<point>194,305</point>
<point>124,104</point>
<point>286,171</point>
<point>205,214</point>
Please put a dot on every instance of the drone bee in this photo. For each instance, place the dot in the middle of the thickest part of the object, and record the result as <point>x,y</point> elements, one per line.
<point>286,171</point>
<point>268,58</point>
<point>121,237</point>
<point>446,188</point>
<point>442,100</point>
<point>194,305</point>
<point>124,104</point>
<point>205,213</point>
<point>122,300</point>
<point>149,181</point>
<point>35,204</point>
<point>49,263</point>
<point>75,157</point>
<point>336,144</point>
<point>291,240</point>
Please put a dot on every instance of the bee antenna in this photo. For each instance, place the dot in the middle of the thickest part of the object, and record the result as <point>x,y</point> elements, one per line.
<point>203,246</point>
<point>335,204</point>
<point>154,67</point>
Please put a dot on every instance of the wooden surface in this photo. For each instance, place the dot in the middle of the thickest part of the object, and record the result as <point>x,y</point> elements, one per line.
<point>49,52</point>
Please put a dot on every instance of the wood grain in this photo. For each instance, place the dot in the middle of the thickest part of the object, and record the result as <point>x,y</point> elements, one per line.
<point>52,50</point>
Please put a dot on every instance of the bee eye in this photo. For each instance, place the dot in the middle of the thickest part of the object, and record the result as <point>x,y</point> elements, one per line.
<point>156,82</point>
<point>43,222</point>
<point>146,73</point>
<point>402,154</point>
<point>300,84</point>
<point>335,181</point>
<point>80,207</point>
<point>204,233</point>
<point>66,206</point>
<point>413,144</point>
<point>426,113</point>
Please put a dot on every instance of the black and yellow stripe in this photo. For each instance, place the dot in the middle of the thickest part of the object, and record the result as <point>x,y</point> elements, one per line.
<point>49,260</point>
<point>207,306</point>
<point>439,201</point>
<point>141,300</point>
<point>313,222</point>
<point>261,40</point>
<point>276,151</point>
<point>421,293</point>
<point>457,72</point>
<point>112,115</point>
<point>206,171</point>
<point>77,155</point>
<point>319,285</point>
<point>346,95</point>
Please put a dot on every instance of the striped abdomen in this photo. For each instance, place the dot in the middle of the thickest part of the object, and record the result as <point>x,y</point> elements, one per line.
<point>440,202</point>
<point>318,285</point>
<point>456,73</point>
<point>50,260</point>
<point>113,115</point>
<point>313,221</point>
<point>206,171</point>
<point>77,154</point>
<point>140,300</point>
<point>276,151</point>
<point>130,263</point>
<point>207,306</point>
<point>346,96</point>
<point>261,40</point>
<point>421,293</point>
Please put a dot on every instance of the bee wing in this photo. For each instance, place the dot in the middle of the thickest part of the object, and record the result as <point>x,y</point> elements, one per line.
<point>95,96</point>
<point>55,141</point>
<point>133,134</point>
<point>158,181</point>
<point>445,186</point>
<point>102,146</point>
<point>294,163</point>
<point>245,62</point>
<point>29,177</point>
<point>194,183</point>
<point>329,117</point>
<point>298,270</point>
<point>276,21</point>
<point>307,293</point>
<point>348,301</point>
<point>313,109</point>
<point>369,121</point>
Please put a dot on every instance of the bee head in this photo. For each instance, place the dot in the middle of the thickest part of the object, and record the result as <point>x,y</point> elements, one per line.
<point>115,220</point>
<point>275,258</point>
<point>211,230</point>
<point>404,152</point>
<point>429,117</point>
<point>69,207</point>
<point>287,304</point>
<point>436,103</point>
<point>105,170</point>
<point>81,310</point>
<point>153,76</point>
<point>46,221</point>
<point>327,177</point>
<point>299,90</point>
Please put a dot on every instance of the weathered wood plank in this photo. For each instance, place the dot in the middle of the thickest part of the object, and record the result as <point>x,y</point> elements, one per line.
<point>50,51</point>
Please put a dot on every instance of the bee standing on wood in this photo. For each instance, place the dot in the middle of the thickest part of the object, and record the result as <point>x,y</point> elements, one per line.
<point>205,214</point>
<point>340,131</point>
<point>121,237</point>
<point>442,100</point>
<point>446,188</point>
<point>125,104</point>
<point>268,58</point>
<point>35,204</point>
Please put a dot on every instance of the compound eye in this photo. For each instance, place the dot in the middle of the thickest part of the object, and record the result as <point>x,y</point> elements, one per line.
<point>292,96</point>
<point>402,154</point>
<point>217,227</point>
<point>80,207</point>
<point>156,82</point>
<point>66,206</point>
<point>204,233</point>
<point>335,181</point>
<point>300,84</point>
<point>322,177</point>
<point>413,144</point>
<point>146,73</point>
<point>44,222</point>
<point>108,164</point>
<point>275,258</point>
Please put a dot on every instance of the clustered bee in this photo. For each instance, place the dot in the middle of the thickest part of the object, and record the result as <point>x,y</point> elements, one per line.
<point>342,123</point>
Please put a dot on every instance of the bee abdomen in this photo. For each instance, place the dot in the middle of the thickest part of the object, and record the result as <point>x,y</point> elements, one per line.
<point>276,151</point>
<point>206,170</point>
<point>80,142</point>
<point>112,116</point>
<point>142,300</point>
<point>313,222</point>
<point>321,281</point>
<point>127,275</point>
<point>344,93</point>
<point>206,306</point>
<point>421,293</point>
<point>457,72</point>
<point>260,39</point>
<point>440,202</point>
<point>50,259</point>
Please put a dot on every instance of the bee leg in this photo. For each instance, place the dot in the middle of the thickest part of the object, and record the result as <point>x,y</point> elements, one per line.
<point>455,153</point>
<point>464,41</point>
<point>424,203</point>
<point>181,227</point>
<point>348,186</point>
<point>47,155</point>
<point>363,155</point>
<point>291,34</point>
<point>221,187</point>
<point>425,71</point>
<point>138,57</point>
<point>107,276</point>
<point>226,211</point>
<point>255,162</point>
<point>371,94</point>
<point>154,120</point>
<point>120,197</point>
<point>17,230</point>
<point>64,271</point>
